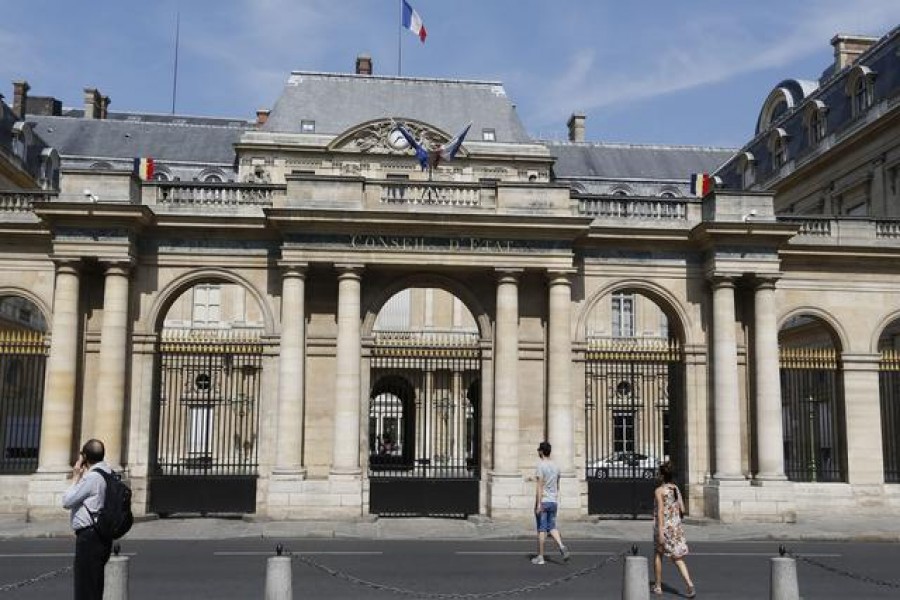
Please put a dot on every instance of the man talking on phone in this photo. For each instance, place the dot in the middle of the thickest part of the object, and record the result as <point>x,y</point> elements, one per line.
<point>84,499</point>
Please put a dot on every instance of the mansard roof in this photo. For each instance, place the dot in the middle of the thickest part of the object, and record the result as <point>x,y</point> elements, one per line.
<point>336,102</point>
<point>130,135</point>
<point>584,160</point>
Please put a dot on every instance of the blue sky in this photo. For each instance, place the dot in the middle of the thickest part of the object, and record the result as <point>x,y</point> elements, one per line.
<point>643,71</point>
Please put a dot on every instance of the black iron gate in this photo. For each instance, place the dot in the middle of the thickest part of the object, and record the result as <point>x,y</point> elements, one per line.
<point>207,424</point>
<point>889,382</point>
<point>633,392</point>
<point>424,421</point>
<point>812,415</point>
<point>23,358</point>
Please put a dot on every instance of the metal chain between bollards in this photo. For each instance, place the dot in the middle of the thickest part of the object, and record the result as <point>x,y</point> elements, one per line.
<point>843,572</point>
<point>457,596</point>
<point>37,579</point>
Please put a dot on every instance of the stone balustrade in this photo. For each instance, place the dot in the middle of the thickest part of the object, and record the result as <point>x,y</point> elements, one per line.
<point>189,194</point>
<point>19,201</point>
<point>630,207</point>
<point>432,193</point>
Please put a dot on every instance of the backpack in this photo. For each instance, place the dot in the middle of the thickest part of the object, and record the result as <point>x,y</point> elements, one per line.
<point>115,518</point>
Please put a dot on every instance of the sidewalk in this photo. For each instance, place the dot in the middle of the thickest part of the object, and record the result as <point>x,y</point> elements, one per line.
<point>853,528</point>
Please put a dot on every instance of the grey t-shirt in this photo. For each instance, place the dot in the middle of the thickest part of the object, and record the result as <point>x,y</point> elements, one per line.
<point>549,473</point>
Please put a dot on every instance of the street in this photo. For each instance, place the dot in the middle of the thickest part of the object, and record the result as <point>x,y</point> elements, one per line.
<point>332,569</point>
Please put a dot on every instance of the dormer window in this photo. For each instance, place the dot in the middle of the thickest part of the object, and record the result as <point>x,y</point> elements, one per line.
<point>778,148</point>
<point>816,122</point>
<point>747,165</point>
<point>489,135</point>
<point>861,89</point>
<point>307,126</point>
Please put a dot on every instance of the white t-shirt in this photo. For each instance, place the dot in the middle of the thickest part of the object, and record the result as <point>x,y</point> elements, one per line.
<point>549,473</point>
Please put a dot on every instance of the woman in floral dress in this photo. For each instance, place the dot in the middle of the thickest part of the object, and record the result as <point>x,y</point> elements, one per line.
<point>668,534</point>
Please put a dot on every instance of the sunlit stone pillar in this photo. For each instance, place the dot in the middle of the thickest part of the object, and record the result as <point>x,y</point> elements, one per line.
<point>726,406</point>
<point>110,398</point>
<point>291,380</point>
<point>59,398</point>
<point>560,417</point>
<point>769,443</point>
<point>506,379</point>
<point>347,384</point>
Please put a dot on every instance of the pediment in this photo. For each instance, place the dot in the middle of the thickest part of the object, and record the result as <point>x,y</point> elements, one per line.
<point>373,137</point>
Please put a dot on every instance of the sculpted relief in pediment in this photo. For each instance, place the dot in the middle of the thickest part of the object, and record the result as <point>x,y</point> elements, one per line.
<point>381,137</point>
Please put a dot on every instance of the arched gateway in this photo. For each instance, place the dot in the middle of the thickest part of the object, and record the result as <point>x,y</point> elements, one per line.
<point>424,406</point>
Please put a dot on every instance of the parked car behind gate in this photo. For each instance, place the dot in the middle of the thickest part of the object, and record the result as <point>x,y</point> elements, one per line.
<point>624,465</point>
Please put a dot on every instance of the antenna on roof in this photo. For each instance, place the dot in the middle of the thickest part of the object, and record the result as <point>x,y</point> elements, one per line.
<point>175,70</point>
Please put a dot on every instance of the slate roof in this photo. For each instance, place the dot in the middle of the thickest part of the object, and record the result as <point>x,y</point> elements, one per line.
<point>584,160</point>
<point>337,102</point>
<point>164,139</point>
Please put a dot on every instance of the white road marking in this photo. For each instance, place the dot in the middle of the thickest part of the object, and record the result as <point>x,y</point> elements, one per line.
<point>286,552</point>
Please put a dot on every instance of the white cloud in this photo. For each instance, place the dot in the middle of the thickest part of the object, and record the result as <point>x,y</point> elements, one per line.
<point>706,51</point>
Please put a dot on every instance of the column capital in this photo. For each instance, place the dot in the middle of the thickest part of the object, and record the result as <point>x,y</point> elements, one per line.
<point>508,275</point>
<point>293,269</point>
<point>766,280</point>
<point>560,276</point>
<point>353,270</point>
<point>720,279</point>
<point>67,265</point>
<point>121,266</point>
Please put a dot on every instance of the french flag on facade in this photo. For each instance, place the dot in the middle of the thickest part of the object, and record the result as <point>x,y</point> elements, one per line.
<point>144,168</point>
<point>413,22</point>
<point>701,184</point>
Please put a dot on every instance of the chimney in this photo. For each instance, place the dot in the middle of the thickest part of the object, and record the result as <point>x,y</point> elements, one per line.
<point>262,115</point>
<point>104,106</point>
<point>576,127</point>
<point>20,97</point>
<point>91,103</point>
<point>847,48</point>
<point>363,64</point>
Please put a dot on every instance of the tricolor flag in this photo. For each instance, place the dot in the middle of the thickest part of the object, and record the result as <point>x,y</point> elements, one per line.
<point>413,22</point>
<point>143,168</point>
<point>701,184</point>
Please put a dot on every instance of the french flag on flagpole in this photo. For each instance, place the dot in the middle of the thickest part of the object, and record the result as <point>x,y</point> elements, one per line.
<point>413,22</point>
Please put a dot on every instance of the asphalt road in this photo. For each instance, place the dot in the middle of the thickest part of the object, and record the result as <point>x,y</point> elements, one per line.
<point>332,569</point>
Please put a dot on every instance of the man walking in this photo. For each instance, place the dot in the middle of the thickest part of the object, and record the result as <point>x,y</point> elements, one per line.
<point>546,500</point>
<point>84,499</point>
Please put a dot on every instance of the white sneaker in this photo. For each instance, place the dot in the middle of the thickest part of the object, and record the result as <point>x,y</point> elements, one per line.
<point>537,560</point>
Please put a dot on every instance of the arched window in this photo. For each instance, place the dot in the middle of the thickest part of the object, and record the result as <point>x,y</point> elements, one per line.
<point>747,166</point>
<point>816,122</point>
<point>860,89</point>
<point>778,148</point>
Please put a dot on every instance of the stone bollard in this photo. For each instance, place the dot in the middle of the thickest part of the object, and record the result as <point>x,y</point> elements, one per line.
<point>636,577</point>
<point>278,577</point>
<point>115,576</point>
<point>783,578</point>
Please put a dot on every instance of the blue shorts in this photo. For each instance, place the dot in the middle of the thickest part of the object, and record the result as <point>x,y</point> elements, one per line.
<point>546,519</point>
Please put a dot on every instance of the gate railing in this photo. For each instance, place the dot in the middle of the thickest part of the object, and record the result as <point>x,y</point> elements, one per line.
<point>23,357</point>
<point>208,403</point>
<point>425,409</point>
<point>812,415</point>
<point>889,384</point>
<point>633,392</point>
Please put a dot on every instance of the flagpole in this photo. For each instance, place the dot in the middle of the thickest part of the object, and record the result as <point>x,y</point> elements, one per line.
<point>399,37</point>
<point>175,70</point>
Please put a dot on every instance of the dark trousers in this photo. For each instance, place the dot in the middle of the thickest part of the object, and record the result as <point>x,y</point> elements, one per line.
<point>91,554</point>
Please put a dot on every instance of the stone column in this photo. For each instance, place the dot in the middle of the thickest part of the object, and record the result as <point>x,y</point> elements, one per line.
<point>726,406</point>
<point>109,415</point>
<point>506,377</point>
<point>59,398</point>
<point>560,418</point>
<point>291,373</point>
<point>345,456</point>
<point>769,436</point>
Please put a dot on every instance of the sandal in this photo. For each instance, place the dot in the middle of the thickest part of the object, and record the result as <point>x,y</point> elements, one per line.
<point>656,589</point>
<point>691,592</point>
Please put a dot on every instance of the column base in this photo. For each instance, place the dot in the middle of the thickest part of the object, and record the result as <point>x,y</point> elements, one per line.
<point>509,495</point>
<point>291,497</point>
<point>45,492</point>
<point>742,501</point>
